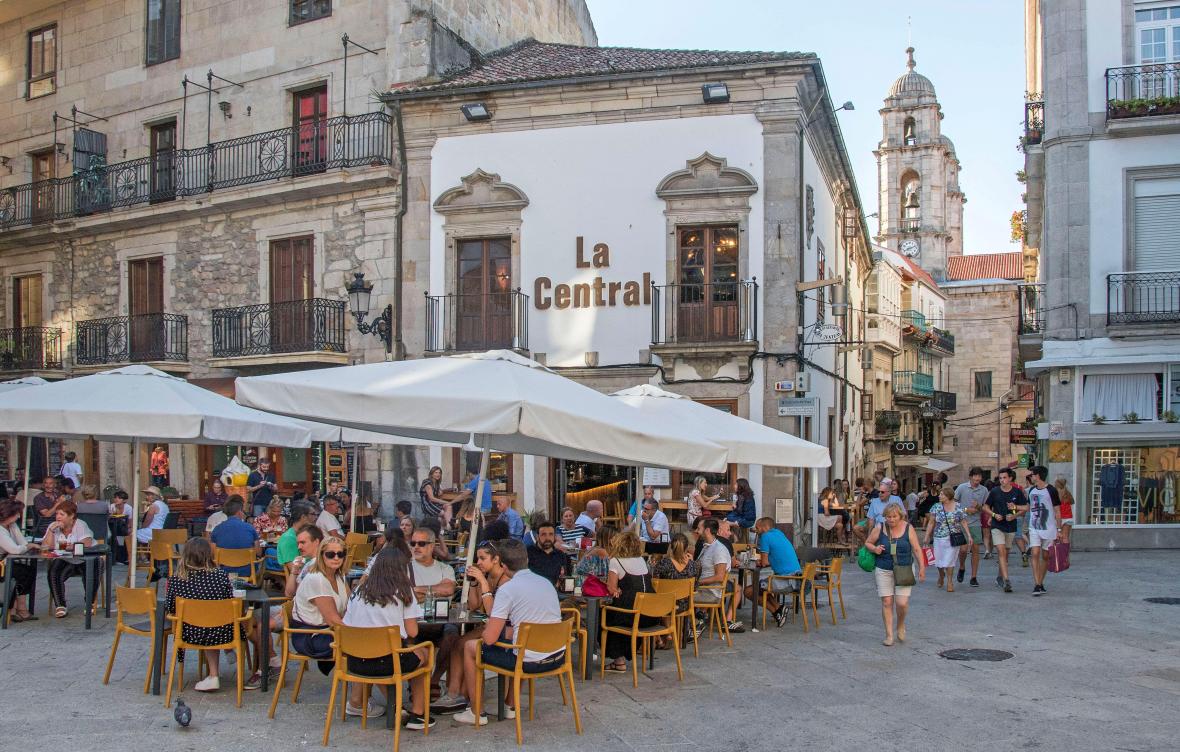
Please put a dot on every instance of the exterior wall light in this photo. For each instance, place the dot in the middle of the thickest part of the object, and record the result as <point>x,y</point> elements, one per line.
<point>475,112</point>
<point>715,93</point>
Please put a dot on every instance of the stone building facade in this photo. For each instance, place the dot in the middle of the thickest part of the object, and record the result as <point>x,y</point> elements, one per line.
<point>212,234</point>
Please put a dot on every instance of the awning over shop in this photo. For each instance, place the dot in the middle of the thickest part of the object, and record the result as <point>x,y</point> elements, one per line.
<point>932,464</point>
<point>1103,351</point>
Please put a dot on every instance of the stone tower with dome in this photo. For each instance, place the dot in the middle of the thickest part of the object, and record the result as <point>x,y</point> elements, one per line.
<point>920,212</point>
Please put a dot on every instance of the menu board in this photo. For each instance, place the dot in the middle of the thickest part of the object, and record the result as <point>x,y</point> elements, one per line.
<point>658,477</point>
<point>5,466</point>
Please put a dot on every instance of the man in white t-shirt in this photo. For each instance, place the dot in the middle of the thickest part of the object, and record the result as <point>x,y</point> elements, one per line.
<point>714,564</point>
<point>1042,524</point>
<point>526,598</point>
<point>71,469</point>
<point>591,519</point>
<point>327,520</point>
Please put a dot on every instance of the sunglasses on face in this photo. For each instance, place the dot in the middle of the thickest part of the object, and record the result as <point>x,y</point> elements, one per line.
<point>334,554</point>
<point>419,544</point>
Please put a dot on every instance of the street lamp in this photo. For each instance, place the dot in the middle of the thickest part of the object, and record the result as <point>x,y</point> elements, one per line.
<point>360,293</point>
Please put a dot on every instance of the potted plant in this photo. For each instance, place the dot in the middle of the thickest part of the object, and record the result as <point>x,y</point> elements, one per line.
<point>1131,417</point>
<point>1097,419</point>
<point>1170,416</point>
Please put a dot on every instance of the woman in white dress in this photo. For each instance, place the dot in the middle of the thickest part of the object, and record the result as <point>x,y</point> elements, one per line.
<point>946,518</point>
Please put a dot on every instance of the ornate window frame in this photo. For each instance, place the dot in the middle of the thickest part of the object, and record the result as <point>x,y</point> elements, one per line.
<point>481,206</point>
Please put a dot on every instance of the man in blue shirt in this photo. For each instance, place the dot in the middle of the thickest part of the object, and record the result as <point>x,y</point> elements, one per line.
<point>510,517</point>
<point>235,532</point>
<point>637,505</point>
<point>875,514</point>
<point>471,486</point>
<point>776,556</point>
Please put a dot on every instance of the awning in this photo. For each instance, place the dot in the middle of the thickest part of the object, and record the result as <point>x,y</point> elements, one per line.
<point>1102,351</point>
<point>932,464</point>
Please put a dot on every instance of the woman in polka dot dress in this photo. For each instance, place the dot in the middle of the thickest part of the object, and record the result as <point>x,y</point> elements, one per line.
<point>198,578</point>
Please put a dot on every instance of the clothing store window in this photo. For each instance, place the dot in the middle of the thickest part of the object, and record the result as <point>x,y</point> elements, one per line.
<point>1131,485</point>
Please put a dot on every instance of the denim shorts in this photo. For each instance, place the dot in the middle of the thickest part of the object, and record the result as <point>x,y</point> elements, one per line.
<point>504,658</point>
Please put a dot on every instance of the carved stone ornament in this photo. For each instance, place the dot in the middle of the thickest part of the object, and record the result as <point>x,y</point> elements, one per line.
<point>707,175</point>
<point>810,193</point>
<point>481,191</point>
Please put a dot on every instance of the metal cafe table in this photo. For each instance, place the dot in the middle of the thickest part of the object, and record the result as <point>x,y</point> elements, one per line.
<point>89,557</point>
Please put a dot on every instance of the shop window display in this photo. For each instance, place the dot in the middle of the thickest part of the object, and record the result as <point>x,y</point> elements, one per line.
<point>1133,485</point>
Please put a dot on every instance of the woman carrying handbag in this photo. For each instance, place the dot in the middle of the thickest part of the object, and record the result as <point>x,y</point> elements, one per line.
<point>895,543</point>
<point>948,525</point>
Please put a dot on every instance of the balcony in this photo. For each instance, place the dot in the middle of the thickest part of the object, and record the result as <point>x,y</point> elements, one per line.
<point>945,402</point>
<point>887,423</point>
<point>913,322</point>
<point>160,338</point>
<point>334,143</point>
<point>463,323</point>
<point>1034,122</point>
<point>1143,298</point>
<point>1032,308</point>
<point>883,331</point>
<point>911,224</point>
<point>1139,91</point>
<point>940,341</point>
<point>705,325</point>
<point>30,349</point>
<point>913,385</point>
<point>295,331</point>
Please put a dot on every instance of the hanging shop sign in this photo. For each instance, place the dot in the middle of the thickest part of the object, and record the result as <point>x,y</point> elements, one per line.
<point>828,333</point>
<point>905,447</point>
<point>597,293</point>
<point>1023,436</point>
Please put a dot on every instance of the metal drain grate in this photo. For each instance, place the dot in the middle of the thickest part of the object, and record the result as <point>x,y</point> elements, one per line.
<point>975,654</point>
<point>1164,601</point>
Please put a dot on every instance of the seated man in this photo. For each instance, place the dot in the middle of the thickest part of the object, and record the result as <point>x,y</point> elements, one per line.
<point>714,563</point>
<point>637,506</point>
<point>545,558</point>
<point>328,520</point>
<point>511,517</point>
<point>434,578</point>
<point>653,523</point>
<point>235,533</point>
<point>590,520</point>
<point>287,547</point>
<point>777,556</point>
<point>525,598</point>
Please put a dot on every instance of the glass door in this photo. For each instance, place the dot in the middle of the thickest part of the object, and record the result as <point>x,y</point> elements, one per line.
<point>145,304</point>
<point>163,166</point>
<point>707,294</point>
<point>291,290</point>
<point>310,125</point>
<point>484,300</point>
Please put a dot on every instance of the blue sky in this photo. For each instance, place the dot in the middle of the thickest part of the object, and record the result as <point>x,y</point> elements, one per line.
<point>971,49</point>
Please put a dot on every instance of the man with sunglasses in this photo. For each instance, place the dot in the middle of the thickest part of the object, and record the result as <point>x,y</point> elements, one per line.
<point>434,579</point>
<point>526,598</point>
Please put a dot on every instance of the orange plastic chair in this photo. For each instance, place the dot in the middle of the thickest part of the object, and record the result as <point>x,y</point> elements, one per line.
<point>542,638</point>
<point>288,654</point>
<point>235,558</point>
<point>134,602</point>
<point>830,577</point>
<point>715,609</point>
<point>199,613</point>
<point>583,637</point>
<point>657,605</point>
<point>797,598</point>
<point>681,589</point>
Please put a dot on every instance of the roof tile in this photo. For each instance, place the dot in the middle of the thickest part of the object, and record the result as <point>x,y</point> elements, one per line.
<point>985,266</point>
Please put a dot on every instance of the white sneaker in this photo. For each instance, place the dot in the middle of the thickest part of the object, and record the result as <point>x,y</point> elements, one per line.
<point>375,710</point>
<point>509,713</point>
<point>469,718</point>
<point>276,662</point>
<point>208,684</point>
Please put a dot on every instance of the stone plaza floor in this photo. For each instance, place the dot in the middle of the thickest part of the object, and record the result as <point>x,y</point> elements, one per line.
<point>1094,667</point>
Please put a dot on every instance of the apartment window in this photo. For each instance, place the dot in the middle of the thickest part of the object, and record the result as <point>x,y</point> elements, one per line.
<point>309,10</point>
<point>1158,34</point>
<point>162,30</point>
<point>983,385</point>
<point>821,298</point>
<point>1156,224</point>
<point>41,62</point>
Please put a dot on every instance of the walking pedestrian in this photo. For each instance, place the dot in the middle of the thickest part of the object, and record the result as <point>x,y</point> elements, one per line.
<point>1042,524</point>
<point>945,521</point>
<point>895,544</point>
<point>970,496</point>
<point>1002,504</point>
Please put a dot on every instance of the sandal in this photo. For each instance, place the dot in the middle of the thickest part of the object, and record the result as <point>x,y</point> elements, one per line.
<point>60,612</point>
<point>16,618</point>
<point>617,668</point>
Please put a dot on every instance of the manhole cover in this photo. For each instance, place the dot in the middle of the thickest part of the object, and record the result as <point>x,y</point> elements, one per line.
<point>975,654</point>
<point>1164,601</point>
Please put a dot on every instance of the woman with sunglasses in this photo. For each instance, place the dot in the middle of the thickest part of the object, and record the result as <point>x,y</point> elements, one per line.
<point>320,602</point>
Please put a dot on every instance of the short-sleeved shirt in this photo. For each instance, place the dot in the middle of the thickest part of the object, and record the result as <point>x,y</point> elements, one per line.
<point>473,486</point>
<point>316,585</point>
<point>713,555</point>
<point>434,574</point>
<point>876,511</point>
<point>586,522</point>
<point>552,566</point>
<point>1040,509</point>
<point>261,497</point>
<point>659,523</point>
<point>527,598</point>
<point>945,522</point>
<point>80,533</point>
<point>779,552</point>
<point>515,524</point>
<point>966,496</point>
<point>635,565</point>
<point>159,517</point>
<point>571,535</point>
<point>73,471</point>
<point>234,533</point>
<point>1000,502</point>
<point>328,523</point>
<point>287,549</point>
<point>214,520</point>
<point>361,613</point>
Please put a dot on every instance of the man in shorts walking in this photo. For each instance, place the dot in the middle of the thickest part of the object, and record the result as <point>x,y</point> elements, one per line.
<point>970,495</point>
<point>1003,503</point>
<point>1042,524</point>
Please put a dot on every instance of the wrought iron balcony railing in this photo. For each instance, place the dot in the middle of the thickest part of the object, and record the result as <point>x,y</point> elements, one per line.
<point>456,323</point>
<point>701,313</point>
<point>1034,122</point>
<point>940,340</point>
<point>30,348</point>
<point>887,422</point>
<point>313,325</point>
<point>1032,308</point>
<point>1142,297</point>
<point>946,402</point>
<point>914,320</point>
<point>143,338</point>
<point>913,384</point>
<point>346,141</point>
<point>1143,90</point>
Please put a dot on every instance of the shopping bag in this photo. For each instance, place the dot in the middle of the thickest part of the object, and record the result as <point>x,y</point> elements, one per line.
<point>1058,555</point>
<point>866,559</point>
<point>928,552</point>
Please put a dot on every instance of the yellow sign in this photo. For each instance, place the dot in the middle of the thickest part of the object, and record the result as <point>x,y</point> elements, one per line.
<point>1060,451</point>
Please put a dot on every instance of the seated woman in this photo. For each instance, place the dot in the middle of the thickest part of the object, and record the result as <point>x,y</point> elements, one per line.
<point>677,565</point>
<point>461,522</point>
<point>320,601</point>
<point>627,575</point>
<point>272,524</point>
<point>198,578</point>
<point>831,514</point>
<point>365,522</point>
<point>12,541</point>
<point>595,565</point>
<point>215,498</point>
<point>569,531</point>
<point>63,534</point>
<point>386,599</point>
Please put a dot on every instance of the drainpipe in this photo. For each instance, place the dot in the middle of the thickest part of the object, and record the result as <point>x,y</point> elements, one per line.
<point>399,347</point>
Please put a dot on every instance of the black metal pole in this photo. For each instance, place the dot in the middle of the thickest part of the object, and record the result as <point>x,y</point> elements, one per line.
<point>344,41</point>
<point>209,109</point>
<point>183,109</point>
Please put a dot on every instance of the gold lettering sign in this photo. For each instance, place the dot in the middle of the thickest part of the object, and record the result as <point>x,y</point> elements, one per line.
<point>598,292</point>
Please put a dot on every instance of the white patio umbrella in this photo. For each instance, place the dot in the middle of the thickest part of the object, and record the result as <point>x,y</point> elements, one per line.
<point>137,404</point>
<point>9,386</point>
<point>494,399</point>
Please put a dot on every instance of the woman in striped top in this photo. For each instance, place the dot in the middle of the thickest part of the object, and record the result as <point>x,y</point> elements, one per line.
<point>571,534</point>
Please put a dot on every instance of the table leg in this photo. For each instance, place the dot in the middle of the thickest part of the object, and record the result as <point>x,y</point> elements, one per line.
<point>106,601</point>
<point>263,646</point>
<point>501,681</point>
<point>158,652</point>
<point>88,587</point>
<point>33,586</point>
<point>591,635</point>
<point>7,594</point>
<point>756,601</point>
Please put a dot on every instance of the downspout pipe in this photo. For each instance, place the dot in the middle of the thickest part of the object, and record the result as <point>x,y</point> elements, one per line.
<point>399,346</point>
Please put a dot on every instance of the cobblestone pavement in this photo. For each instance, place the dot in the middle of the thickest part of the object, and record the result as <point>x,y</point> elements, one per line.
<point>1094,667</point>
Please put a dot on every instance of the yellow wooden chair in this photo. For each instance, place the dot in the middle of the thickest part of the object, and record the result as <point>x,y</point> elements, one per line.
<point>199,613</point>
<point>355,539</point>
<point>235,558</point>
<point>681,589</point>
<point>359,554</point>
<point>715,611</point>
<point>288,654</point>
<point>542,638</point>
<point>797,599</point>
<point>174,536</point>
<point>376,642</point>
<point>134,602</point>
<point>161,552</point>
<point>582,635</point>
<point>657,605</point>
<point>830,577</point>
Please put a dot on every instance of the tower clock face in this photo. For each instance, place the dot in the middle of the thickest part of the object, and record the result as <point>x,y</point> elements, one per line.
<point>910,248</point>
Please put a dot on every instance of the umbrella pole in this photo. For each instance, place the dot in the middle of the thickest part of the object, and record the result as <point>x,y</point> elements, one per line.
<point>356,458</point>
<point>28,469</point>
<point>477,518</point>
<point>134,512</point>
